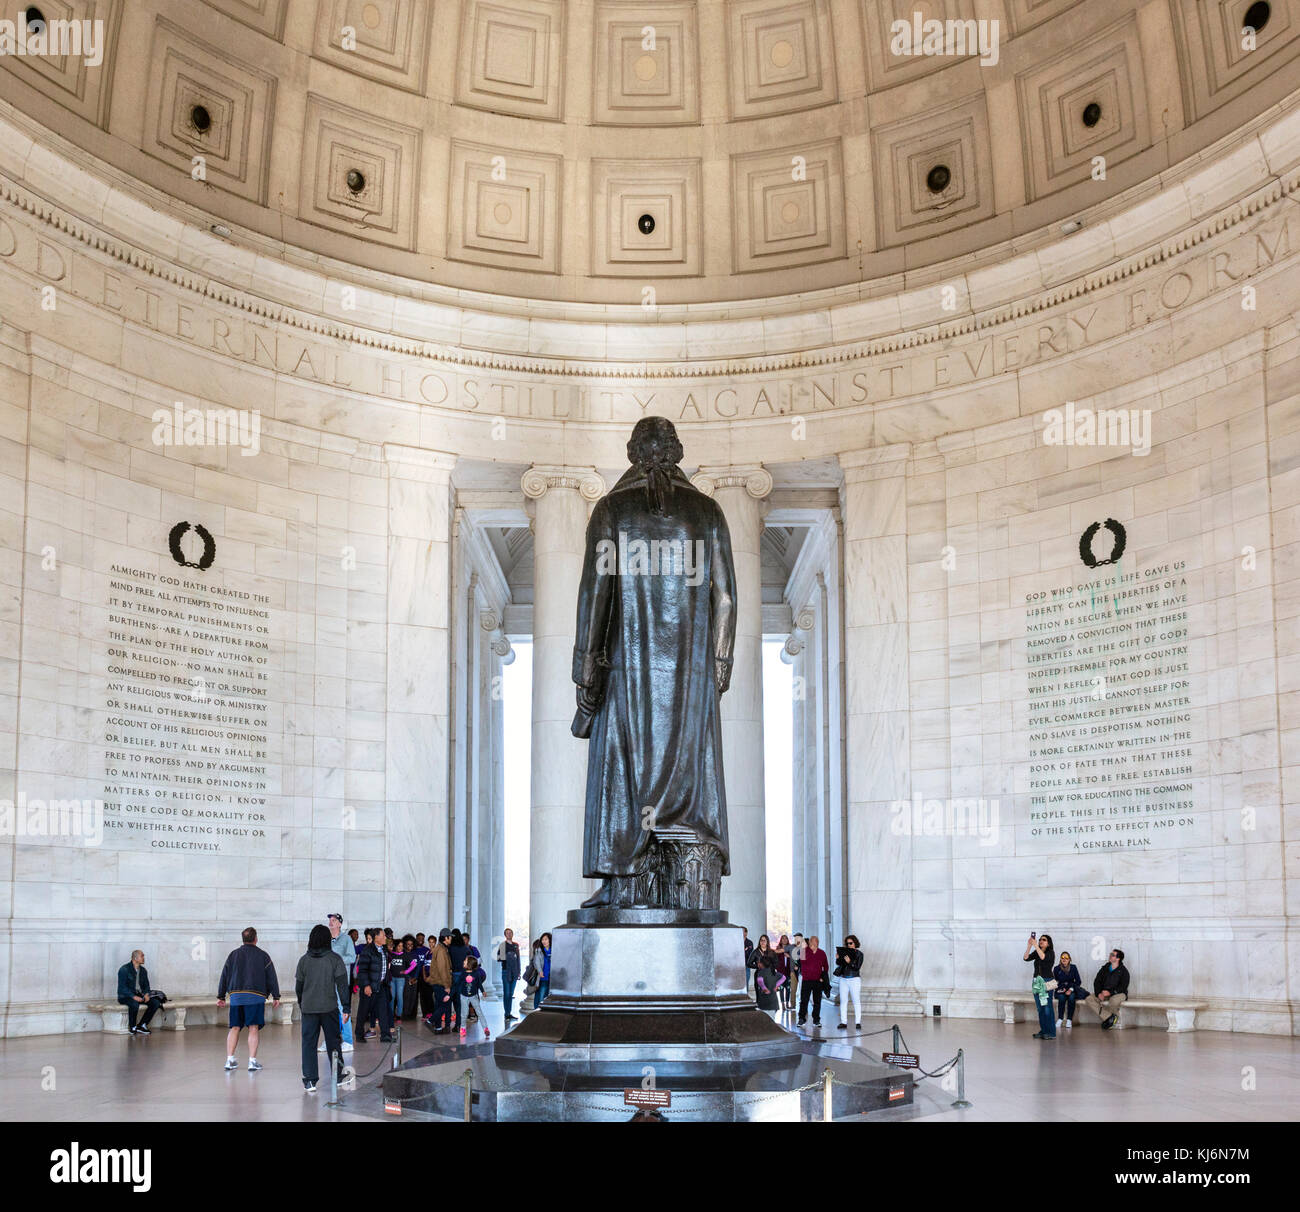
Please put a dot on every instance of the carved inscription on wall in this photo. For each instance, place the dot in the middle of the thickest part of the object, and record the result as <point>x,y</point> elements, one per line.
<point>1115,737</point>
<point>187,731</point>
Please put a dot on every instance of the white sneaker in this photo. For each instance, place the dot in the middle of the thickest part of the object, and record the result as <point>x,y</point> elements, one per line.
<point>322,1047</point>
<point>231,1063</point>
<point>1069,1022</point>
<point>254,1066</point>
<point>346,1046</point>
<point>310,1088</point>
<point>1058,1022</point>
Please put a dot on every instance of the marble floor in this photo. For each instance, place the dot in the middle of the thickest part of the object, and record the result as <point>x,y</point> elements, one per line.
<point>1132,1075</point>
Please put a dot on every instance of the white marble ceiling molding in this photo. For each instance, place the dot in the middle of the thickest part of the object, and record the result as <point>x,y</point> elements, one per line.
<point>702,90</point>
<point>1246,176</point>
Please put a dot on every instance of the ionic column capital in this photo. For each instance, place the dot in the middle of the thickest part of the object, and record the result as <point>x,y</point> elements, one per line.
<point>539,479</point>
<point>754,478</point>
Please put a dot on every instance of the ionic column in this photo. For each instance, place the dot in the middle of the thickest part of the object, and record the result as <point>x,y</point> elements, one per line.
<point>560,497</point>
<point>740,491</point>
<point>418,700</point>
<point>878,758</point>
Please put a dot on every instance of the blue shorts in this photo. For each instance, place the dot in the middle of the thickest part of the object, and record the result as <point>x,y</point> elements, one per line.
<point>248,1016</point>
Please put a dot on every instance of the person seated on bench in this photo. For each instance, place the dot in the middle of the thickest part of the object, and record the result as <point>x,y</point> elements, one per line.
<point>1109,990</point>
<point>133,993</point>
<point>1068,984</point>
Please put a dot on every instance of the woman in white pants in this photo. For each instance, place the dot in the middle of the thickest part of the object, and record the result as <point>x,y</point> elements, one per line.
<point>849,970</point>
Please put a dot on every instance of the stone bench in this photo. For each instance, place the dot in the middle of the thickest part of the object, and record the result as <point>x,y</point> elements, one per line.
<point>1180,1014</point>
<point>172,1015</point>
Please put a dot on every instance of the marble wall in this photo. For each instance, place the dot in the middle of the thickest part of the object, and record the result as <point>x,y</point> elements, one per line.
<point>953,509</point>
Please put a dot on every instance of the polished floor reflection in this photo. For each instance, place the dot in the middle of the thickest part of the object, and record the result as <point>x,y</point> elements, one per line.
<point>1133,1075</point>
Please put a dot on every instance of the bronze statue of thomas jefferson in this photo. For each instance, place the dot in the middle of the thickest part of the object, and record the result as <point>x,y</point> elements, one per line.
<point>651,659</point>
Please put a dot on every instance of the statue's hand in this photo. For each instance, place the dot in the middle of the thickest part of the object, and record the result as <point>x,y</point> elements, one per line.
<point>722,674</point>
<point>589,698</point>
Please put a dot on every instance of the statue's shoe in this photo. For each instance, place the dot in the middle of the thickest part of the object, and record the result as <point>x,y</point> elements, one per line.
<point>601,897</point>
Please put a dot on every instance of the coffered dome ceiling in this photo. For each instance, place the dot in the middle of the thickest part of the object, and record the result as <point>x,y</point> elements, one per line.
<point>623,151</point>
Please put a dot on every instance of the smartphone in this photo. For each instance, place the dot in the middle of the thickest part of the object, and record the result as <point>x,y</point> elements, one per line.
<point>1033,934</point>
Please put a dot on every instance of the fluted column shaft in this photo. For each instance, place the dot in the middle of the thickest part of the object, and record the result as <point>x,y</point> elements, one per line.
<point>740,492</point>
<point>559,760</point>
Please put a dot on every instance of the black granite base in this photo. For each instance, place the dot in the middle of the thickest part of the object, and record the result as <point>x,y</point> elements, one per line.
<point>507,1089</point>
<point>593,1040</point>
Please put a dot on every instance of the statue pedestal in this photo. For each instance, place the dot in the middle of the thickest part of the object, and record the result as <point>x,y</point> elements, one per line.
<point>647,987</point>
<point>638,993</point>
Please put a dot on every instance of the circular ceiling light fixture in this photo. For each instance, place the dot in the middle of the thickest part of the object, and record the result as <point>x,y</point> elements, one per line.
<point>1091,114</point>
<point>1257,16</point>
<point>938,178</point>
<point>645,224</point>
<point>200,119</point>
<point>35,18</point>
<point>356,180</point>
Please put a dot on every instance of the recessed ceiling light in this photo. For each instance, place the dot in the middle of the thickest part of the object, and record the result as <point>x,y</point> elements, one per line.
<point>356,180</point>
<point>646,224</point>
<point>219,229</point>
<point>1070,226</point>
<point>938,178</point>
<point>1091,114</point>
<point>1257,16</point>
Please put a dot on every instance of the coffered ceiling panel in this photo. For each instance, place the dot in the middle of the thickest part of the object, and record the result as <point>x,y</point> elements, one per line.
<point>789,206</point>
<point>646,66</point>
<point>645,218</point>
<point>265,16</point>
<point>384,40</point>
<point>359,173</point>
<point>1026,14</point>
<point>512,57</point>
<point>933,171</point>
<point>781,56</point>
<point>1088,101</point>
<point>1217,65</point>
<point>207,104</point>
<point>71,80</point>
<point>885,68</point>
<point>504,208</point>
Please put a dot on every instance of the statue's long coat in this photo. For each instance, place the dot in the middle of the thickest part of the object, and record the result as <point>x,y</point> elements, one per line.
<point>650,640</point>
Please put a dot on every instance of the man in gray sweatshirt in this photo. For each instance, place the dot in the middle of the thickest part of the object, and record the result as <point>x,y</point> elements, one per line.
<point>321,986</point>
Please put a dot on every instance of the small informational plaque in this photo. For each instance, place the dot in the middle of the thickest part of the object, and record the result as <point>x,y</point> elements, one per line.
<point>901,1060</point>
<point>634,1096</point>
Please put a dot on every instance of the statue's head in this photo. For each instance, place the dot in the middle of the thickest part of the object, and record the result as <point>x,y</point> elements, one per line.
<point>654,443</point>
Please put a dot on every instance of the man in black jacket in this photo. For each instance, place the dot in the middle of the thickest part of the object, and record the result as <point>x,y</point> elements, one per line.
<point>1109,990</point>
<point>133,993</point>
<point>374,975</point>
<point>249,978</point>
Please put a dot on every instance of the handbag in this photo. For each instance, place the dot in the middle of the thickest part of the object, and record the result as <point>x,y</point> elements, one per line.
<point>531,975</point>
<point>1050,986</point>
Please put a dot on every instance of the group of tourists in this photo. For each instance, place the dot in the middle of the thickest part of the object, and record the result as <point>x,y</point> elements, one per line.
<point>796,971</point>
<point>1059,981</point>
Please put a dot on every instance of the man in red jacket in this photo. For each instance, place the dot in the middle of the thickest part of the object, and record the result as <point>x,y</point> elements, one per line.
<point>811,972</point>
